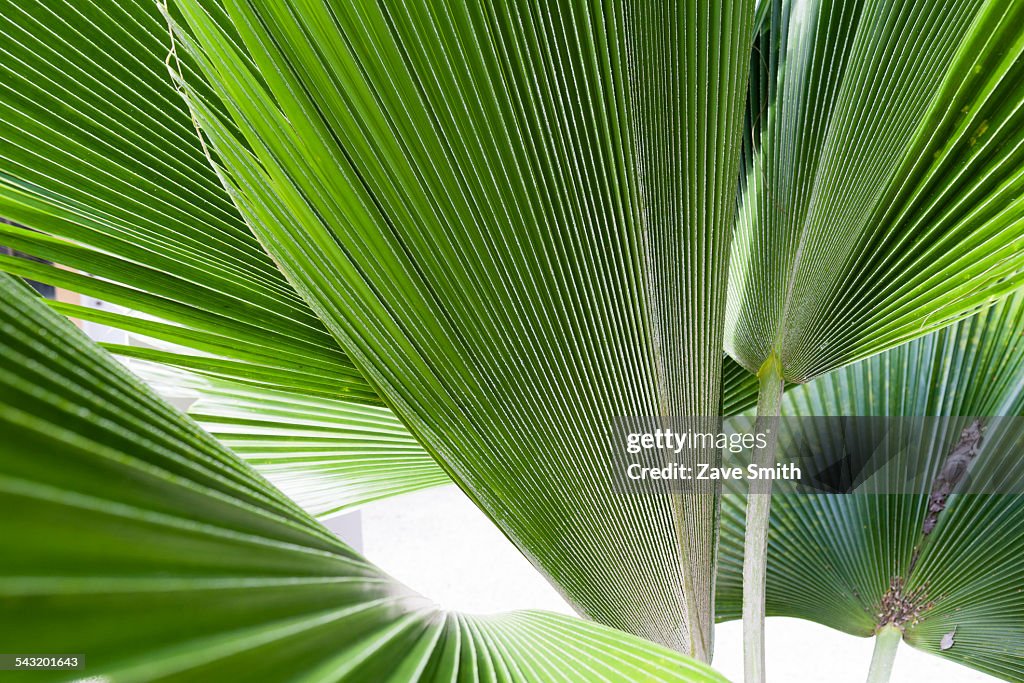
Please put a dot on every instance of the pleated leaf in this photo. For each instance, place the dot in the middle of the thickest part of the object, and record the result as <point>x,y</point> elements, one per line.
<point>102,172</point>
<point>882,175</point>
<point>135,540</point>
<point>328,456</point>
<point>515,220</point>
<point>101,167</point>
<point>833,557</point>
<point>331,456</point>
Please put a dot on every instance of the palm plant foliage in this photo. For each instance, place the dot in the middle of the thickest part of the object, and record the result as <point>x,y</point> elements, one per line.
<point>160,554</point>
<point>880,194</point>
<point>379,152</point>
<point>844,559</point>
<point>389,245</point>
<point>450,225</point>
<point>329,456</point>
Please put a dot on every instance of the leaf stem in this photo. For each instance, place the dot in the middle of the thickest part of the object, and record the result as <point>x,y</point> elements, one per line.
<point>759,501</point>
<point>887,639</point>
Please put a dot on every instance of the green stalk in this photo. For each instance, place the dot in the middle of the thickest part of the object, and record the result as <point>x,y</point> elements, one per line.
<point>759,501</point>
<point>887,639</point>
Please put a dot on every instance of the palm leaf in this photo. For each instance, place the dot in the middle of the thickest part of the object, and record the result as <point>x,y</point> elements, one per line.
<point>516,237</point>
<point>833,558</point>
<point>137,540</point>
<point>880,193</point>
<point>101,162</point>
<point>328,456</point>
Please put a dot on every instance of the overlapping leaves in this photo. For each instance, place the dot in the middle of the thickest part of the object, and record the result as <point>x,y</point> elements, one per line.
<point>141,543</point>
<point>102,172</point>
<point>517,237</point>
<point>833,558</point>
<point>329,456</point>
<point>882,175</point>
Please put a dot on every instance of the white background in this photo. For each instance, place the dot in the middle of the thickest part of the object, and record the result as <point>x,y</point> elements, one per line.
<point>439,543</point>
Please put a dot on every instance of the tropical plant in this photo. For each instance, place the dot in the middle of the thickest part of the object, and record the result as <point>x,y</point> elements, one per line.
<point>889,558</point>
<point>880,196</point>
<point>392,244</point>
<point>400,162</point>
<point>489,212</point>
<point>136,538</point>
<point>327,455</point>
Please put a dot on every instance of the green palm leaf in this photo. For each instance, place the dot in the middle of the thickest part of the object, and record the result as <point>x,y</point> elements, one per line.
<point>880,192</point>
<point>141,543</point>
<point>99,158</point>
<point>832,558</point>
<point>328,456</point>
<point>516,236</point>
<point>882,176</point>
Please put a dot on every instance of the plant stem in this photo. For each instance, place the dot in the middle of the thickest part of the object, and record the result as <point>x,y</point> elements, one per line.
<point>887,639</point>
<point>759,501</point>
